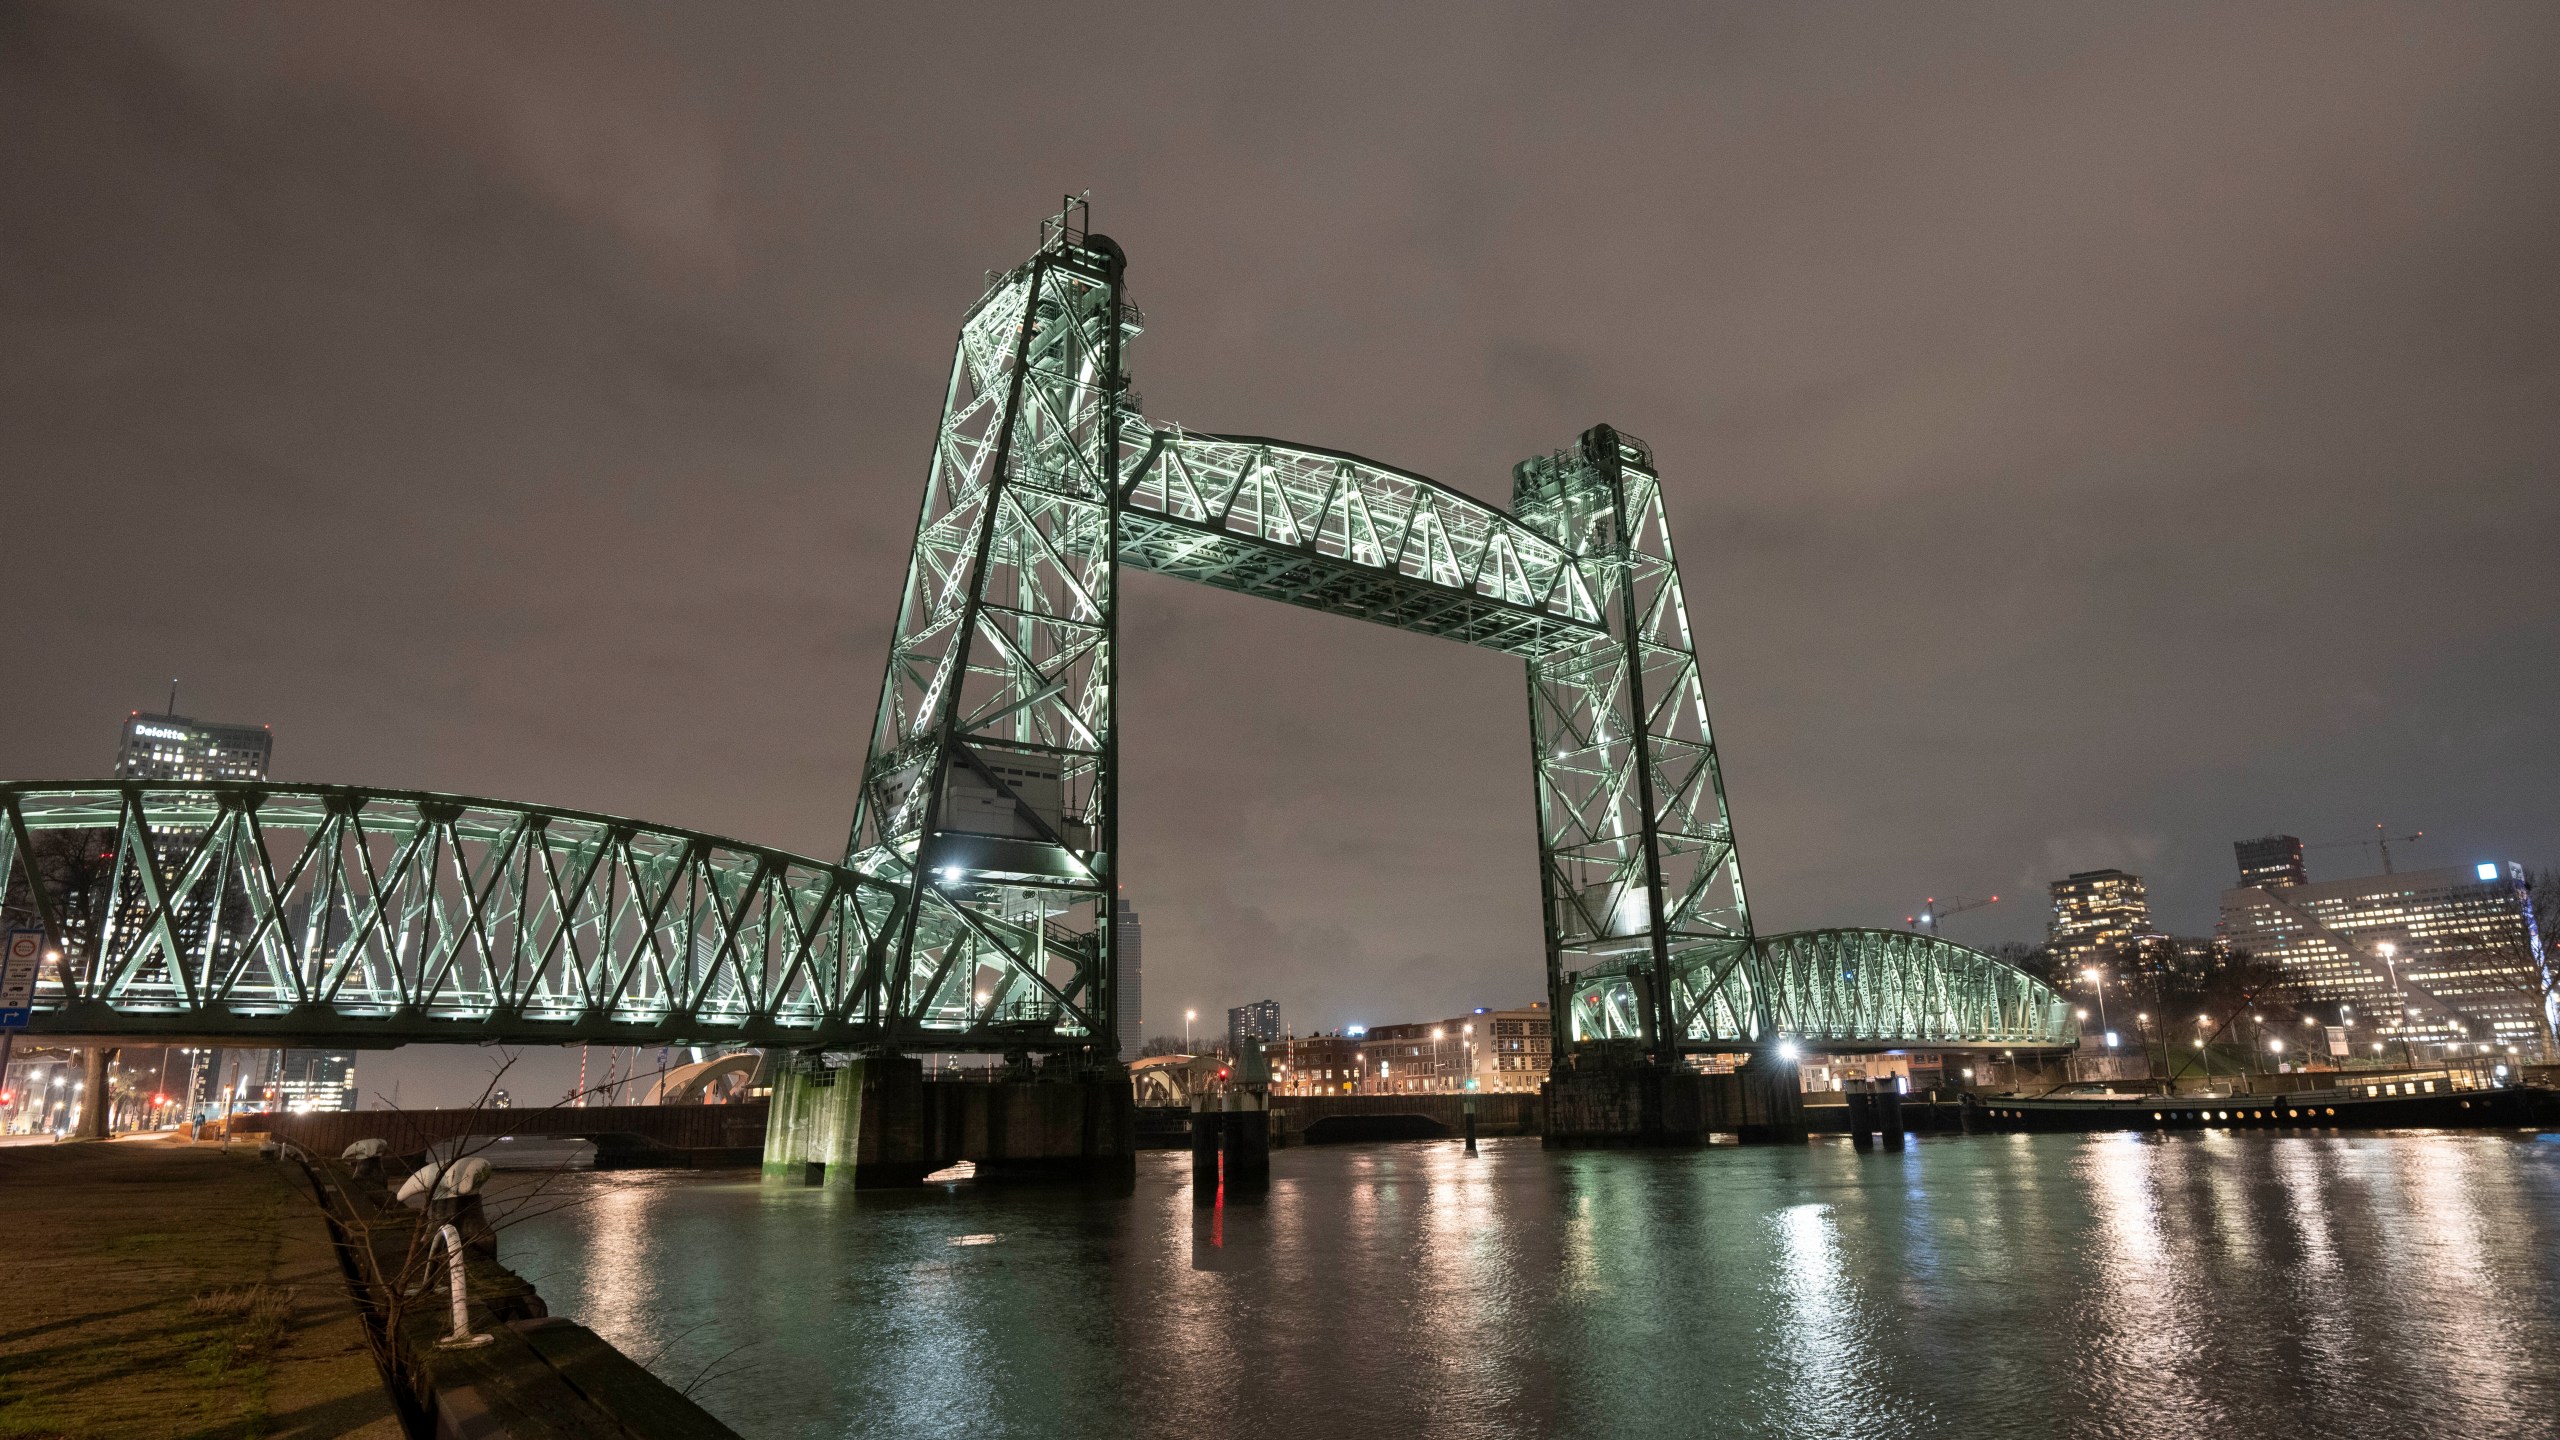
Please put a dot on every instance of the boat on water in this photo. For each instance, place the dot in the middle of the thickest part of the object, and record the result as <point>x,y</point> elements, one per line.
<point>2396,1102</point>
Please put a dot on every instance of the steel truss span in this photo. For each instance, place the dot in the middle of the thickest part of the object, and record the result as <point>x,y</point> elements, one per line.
<point>1842,990</point>
<point>183,908</point>
<point>973,908</point>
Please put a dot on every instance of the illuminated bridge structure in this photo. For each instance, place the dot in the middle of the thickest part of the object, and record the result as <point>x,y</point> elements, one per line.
<point>972,909</point>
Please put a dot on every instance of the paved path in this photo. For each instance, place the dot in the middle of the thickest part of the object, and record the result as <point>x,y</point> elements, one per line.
<point>166,1291</point>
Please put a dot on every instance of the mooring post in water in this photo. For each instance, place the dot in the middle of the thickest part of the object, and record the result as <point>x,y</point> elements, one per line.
<point>1889,1114</point>
<point>1469,1109</point>
<point>1248,1129</point>
<point>1206,1123</point>
<point>1862,1114</point>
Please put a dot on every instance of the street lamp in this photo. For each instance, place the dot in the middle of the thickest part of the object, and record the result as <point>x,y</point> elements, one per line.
<point>1187,1017</point>
<point>2399,999</point>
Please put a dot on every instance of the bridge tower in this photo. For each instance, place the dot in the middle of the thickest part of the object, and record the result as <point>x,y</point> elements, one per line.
<point>987,794</point>
<point>1646,924</point>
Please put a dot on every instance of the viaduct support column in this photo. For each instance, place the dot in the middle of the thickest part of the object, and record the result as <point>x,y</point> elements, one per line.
<point>94,1100</point>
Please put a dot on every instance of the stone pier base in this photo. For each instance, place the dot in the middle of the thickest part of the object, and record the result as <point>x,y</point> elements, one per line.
<point>1659,1106</point>
<point>875,1122</point>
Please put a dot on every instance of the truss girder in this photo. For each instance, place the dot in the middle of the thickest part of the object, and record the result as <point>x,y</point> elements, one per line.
<point>1348,536</point>
<point>1840,990</point>
<point>397,916</point>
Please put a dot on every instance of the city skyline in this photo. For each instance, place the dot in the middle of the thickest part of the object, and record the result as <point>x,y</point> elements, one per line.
<point>546,527</point>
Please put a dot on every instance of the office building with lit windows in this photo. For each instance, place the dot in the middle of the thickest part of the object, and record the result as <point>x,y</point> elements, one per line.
<point>176,747</point>
<point>309,1080</point>
<point>1261,1020</point>
<point>2270,860</point>
<point>2096,914</point>
<point>1515,1049</point>
<point>2435,956</point>
<point>173,747</point>
<point>1488,1051</point>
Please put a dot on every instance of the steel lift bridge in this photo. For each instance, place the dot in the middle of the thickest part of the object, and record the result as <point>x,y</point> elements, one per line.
<point>973,907</point>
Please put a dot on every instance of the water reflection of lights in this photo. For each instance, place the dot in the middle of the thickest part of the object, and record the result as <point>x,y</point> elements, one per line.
<point>1820,1331</point>
<point>2203,1284</point>
<point>2141,1341</point>
<point>622,1280</point>
<point>2458,1302</point>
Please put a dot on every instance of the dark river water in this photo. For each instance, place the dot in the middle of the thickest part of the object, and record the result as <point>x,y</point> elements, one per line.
<point>2194,1285</point>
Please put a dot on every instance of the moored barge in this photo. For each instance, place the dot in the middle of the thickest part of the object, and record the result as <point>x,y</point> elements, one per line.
<point>2394,1103</point>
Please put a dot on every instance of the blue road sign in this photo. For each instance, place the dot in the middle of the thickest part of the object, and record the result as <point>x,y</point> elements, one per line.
<point>19,958</point>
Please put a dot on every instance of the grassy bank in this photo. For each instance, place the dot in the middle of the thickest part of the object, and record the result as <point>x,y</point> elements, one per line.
<point>162,1290</point>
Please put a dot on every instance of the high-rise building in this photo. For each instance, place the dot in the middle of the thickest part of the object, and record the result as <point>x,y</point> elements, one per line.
<point>1128,1013</point>
<point>173,747</point>
<point>2437,956</point>
<point>2270,860</point>
<point>1261,1020</point>
<point>316,1080</point>
<point>2095,913</point>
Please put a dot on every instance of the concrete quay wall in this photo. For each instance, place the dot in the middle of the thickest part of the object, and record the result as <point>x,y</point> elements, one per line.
<point>1647,1106</point>
<point>624,1135</point>
<point>1496,1114</point>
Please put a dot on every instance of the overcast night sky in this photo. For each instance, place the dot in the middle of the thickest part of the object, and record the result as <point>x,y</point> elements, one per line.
<point>2093,434</point>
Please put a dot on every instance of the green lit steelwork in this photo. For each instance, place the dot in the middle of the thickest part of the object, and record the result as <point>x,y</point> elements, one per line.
<point>987,794</point>
<point>1842,990</point>
<point>393,916</point>
<point>973,907</point>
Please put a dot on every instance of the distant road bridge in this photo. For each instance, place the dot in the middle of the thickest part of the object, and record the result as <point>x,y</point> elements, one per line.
<point>973,908</point>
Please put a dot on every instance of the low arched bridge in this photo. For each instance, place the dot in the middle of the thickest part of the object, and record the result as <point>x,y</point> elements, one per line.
<point>1836,990</point>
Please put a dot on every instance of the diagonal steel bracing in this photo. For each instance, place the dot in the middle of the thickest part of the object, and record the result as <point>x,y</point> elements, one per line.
<point>973,907</point>
<point>385,917</point>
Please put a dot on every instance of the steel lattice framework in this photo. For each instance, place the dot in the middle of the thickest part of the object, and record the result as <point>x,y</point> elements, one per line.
<point>973,907</point>
<point>268,910</point>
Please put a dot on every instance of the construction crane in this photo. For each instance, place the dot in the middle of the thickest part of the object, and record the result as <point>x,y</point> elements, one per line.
<point>1934,913</point>
<point>2377,838</point>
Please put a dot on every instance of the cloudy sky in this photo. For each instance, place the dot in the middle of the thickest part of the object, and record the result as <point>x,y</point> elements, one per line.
<point>2094,434</point>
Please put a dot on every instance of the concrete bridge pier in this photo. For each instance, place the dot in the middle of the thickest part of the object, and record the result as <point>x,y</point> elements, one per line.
<point>875,1121</point>
<point>1888,1101</point>
<point>1648,1105</point>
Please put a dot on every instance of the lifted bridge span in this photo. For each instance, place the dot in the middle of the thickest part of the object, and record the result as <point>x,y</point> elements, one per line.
<point>972,908</point>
